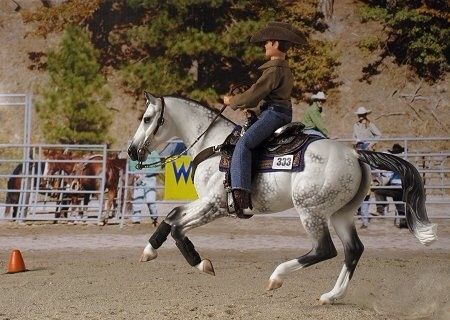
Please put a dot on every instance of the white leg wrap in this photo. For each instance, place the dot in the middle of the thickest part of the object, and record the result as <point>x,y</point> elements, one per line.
<point>339,289</point>
<point>284,269</point>
<point>149,253</point>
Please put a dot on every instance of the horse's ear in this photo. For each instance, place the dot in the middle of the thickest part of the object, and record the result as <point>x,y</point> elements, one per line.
<point>149,97</point>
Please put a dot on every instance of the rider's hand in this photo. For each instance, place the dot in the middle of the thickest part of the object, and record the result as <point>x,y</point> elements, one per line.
<point>226,100</point>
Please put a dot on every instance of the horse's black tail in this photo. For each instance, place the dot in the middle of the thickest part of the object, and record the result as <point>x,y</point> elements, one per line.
<point>413,192</point>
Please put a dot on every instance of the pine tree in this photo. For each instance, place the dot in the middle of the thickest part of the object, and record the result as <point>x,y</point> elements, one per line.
<point>72,104</point>
<point>418,34</point>
<point>192,47</point>
<point>199,48</point>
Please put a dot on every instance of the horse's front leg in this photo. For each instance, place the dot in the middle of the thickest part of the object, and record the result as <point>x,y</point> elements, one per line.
<point>110,203</point>
<point>177,223</point>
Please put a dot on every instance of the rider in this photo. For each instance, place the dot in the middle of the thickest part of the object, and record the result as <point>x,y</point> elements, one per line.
<point>273,88</point>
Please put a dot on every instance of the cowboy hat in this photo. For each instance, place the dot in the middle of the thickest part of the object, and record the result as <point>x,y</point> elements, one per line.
<point>278,31</point>
<point>362,110</point>
<point>396,149</point>
<point>319,96</point>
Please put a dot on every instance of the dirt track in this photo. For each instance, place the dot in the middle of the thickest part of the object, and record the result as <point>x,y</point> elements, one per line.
<point>90,272</point>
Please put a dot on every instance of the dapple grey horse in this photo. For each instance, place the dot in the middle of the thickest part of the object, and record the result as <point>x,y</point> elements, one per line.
<point>331,187</point>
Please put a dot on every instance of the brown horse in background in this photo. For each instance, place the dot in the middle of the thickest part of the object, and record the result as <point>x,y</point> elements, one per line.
<point>14,185</point>
<point>114,167</point>
<point>59,167</point>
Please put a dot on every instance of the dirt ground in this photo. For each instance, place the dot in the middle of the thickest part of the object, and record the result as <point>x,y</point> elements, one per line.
<point>91,272</point>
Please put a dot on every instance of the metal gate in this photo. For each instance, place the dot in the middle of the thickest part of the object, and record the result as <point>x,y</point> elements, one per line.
<point>25,192</point>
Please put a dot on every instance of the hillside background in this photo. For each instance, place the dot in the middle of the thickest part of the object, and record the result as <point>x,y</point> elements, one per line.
<point>402,103</point>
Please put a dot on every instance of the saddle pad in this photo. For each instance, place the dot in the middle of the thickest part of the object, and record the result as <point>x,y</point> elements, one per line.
<point>291,162</point>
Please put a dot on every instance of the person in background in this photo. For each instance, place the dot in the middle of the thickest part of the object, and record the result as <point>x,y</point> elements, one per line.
<point>144,188</point>
<point>365,133</point>
<point>390,178</point>
<point>312,119</point>
<point>144,193</point>
<point>363,210</point>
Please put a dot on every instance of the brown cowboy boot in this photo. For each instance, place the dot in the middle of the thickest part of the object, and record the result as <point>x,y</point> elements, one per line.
<point>242,201</point>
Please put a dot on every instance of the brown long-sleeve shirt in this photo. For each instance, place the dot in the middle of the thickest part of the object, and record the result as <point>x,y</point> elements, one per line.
<point>274,86</point>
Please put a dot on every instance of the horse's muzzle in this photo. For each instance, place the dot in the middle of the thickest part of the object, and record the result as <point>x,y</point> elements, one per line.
<point>133,152</point>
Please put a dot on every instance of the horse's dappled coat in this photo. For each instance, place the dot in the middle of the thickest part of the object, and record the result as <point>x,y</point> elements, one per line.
<point>330,189</point>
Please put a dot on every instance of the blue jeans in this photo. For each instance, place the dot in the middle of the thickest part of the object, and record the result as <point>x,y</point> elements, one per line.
<point>314,132</point>
<point>361,145</point>
<point>241,162</point>
<point>365,211</point>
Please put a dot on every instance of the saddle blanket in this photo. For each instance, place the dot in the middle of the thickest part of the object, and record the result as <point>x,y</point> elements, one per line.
<point>293,162</point>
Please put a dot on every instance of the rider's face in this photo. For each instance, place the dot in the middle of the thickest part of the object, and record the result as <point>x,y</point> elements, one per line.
<point>271,48</point>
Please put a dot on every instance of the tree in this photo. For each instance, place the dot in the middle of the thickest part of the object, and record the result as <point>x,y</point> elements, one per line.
<point>191,47</point>
<point>72,104</point>
<point>213,37</point>
<point>418,34</point>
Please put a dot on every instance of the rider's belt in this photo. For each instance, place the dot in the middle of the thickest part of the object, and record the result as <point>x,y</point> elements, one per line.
<point>277,108</point>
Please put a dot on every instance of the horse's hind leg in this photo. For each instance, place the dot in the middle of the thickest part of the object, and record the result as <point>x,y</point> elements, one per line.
<point>316,225</point>
<point>344,224</point>
<point>353,249</point>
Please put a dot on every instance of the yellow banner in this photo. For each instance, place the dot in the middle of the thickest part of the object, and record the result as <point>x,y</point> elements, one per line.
<point>178,182</point>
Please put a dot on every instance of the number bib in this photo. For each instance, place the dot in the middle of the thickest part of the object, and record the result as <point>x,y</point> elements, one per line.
<point>284,162</point>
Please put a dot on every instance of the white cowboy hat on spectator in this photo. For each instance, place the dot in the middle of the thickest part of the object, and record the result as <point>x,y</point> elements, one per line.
<point>319,96</point>
<point>362,110</point>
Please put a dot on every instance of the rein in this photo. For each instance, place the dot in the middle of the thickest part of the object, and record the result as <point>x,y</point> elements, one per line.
<point>160,122</point>
<point>140,165</point>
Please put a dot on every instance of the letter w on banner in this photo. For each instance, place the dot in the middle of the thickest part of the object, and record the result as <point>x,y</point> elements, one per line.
<point>178,183</point>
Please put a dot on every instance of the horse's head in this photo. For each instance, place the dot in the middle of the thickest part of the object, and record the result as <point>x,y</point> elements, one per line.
<point>55,164</point>
<point>78,170</point>
<point>151,131</point>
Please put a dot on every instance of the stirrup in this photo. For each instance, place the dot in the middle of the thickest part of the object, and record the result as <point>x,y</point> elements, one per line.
<point>233,208</point>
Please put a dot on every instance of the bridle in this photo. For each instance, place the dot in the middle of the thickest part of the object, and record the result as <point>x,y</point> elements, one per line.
<point>159,124</point>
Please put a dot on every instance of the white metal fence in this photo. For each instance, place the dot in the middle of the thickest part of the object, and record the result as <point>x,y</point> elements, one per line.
<point>36,201</point>
<point>25,191</point>
<point>431,156</point>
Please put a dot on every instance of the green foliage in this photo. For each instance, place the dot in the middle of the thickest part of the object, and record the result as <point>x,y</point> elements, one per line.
<point>367,13</point>
<point>72,104</point>
<point>369,44</point>
<point>418,33</point>
<point>211,34</point>
<point>313,67</point>
<point>159,76</point>
<point>155,44</point>
<point>215,36</point>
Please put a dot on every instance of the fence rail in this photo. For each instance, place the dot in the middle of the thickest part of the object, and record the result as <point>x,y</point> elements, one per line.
<point>38,203</point>
<point>25,190</point>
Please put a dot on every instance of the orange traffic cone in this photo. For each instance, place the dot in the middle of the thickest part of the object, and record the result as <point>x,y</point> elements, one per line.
<point>15,263</point>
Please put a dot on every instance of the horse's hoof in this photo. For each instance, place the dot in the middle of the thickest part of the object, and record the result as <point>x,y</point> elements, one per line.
<point>274,284</point>
<point>324,300</point>
<point>206,267</point>
<point>148,254</point>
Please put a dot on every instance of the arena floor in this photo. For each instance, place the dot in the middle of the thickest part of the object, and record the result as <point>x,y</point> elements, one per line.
<point>91,272</point>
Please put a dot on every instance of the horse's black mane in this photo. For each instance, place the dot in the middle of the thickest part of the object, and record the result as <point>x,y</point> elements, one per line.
<point>176,96</point>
